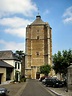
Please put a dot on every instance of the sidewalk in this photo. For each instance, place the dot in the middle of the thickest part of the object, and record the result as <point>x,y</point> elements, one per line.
<point>60,91</point>
<point>15,89</point>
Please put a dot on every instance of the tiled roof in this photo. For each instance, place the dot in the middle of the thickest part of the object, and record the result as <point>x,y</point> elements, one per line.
<point>5,65</point>
<point>7,55</point>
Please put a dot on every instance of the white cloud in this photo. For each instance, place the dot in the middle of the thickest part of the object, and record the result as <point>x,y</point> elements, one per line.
<point>19,32</point>
<point>14,22</point>
<point>15,26</point>
<point>12,45</point>
<point>2,42</point>
<point>68,15</point>
<point>10,7</point>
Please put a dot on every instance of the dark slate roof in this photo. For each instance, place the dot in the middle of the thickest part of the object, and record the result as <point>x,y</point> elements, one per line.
<point>7,55</point>
<point>5,65</point>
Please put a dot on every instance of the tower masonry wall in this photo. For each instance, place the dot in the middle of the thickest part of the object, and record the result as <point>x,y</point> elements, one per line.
<point>38,47</point>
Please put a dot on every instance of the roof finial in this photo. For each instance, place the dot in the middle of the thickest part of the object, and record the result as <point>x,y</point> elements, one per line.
<point>38,12</point>
<point>38,16</point>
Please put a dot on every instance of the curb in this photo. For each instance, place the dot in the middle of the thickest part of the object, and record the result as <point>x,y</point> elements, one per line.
<point>54,92</point>
<point>21,89</point>
<point>49,90</point>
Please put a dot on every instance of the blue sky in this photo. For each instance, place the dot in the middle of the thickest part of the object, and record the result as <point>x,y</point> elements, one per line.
<point>15,15</point>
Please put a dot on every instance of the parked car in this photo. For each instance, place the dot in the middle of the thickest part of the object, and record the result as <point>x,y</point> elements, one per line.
<point>53,82</point>
<point>43,81</point>
<point>42,78</point>
<point>3,91</point>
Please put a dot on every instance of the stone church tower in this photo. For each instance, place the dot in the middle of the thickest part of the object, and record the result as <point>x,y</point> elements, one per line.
<point>38,47</point>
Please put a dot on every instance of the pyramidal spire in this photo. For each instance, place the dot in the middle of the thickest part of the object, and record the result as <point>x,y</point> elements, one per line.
<point>38,20</point>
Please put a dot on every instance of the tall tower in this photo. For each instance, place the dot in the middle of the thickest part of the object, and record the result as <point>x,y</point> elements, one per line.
<point>38,47</point>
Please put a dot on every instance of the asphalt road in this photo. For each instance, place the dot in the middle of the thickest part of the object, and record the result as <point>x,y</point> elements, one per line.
<point>35,88</point>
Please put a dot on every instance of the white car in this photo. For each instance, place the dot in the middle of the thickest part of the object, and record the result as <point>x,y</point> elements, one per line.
<point>44,80</point>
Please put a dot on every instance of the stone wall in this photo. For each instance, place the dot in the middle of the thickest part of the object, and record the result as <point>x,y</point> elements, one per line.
<point>38,47</point>
<point>70,77</point>
<point>3,74</point>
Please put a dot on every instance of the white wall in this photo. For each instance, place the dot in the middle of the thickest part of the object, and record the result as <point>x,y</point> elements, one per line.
<point>12,63</point>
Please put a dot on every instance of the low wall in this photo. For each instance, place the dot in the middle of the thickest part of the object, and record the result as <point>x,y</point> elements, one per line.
<point>70,77</point>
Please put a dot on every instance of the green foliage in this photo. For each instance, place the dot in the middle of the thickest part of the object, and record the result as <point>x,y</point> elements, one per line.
<point>19,54</point>
<point>23,80</point>
<point>62,60</point>
<point>45,69</point>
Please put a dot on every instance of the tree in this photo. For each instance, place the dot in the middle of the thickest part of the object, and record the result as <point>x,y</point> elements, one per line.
<point>57,61</point>
<point>67,59</point>
<point>61,61</point>
<point>19,54</point>
<point>45,69</point>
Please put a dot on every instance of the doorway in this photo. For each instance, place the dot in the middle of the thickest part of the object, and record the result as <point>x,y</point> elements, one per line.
<point>0,78</point>
<point>37,75</point>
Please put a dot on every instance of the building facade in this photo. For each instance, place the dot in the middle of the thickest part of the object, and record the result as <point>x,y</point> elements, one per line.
<point>38,47</point>
<point>10,65</point>
<point>6,72</point>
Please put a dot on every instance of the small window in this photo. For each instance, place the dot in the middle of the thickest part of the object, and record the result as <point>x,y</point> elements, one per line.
<point>37,53</point>
<point>31,66</point>
<point>38,31</point>
<point>37,37</point>
<point>15,65</point>
<point>18,66</point>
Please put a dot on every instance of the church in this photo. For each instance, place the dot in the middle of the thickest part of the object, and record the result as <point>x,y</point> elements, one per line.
<point>38,47</point>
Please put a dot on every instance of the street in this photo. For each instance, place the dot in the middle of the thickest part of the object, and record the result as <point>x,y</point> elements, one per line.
<point>34,88</point>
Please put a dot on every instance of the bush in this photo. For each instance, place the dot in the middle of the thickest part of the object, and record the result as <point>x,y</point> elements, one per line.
<point>23,79</point>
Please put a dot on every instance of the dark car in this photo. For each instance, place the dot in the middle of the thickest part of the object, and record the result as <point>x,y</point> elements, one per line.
<point>3,91</point>
<point>53,82</point>
<point>44,80</point>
